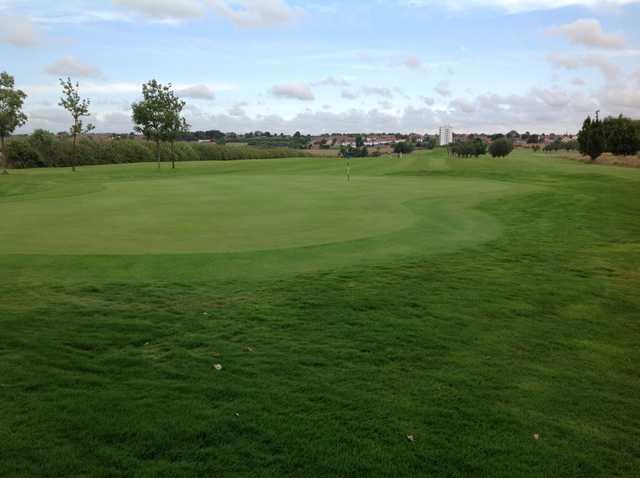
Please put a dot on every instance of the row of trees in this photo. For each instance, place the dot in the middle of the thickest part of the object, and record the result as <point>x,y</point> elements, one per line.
<point>499,148</point>
<point>158,116</point>
<point>617,135</point>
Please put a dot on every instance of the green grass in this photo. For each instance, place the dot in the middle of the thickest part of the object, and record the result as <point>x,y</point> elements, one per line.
<point>469,303</point>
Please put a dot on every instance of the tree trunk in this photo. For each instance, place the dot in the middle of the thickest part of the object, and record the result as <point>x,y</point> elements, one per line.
<point>173,156</point>
<point>158,153</point>
<point>73,159</point>
<point>5,160</point>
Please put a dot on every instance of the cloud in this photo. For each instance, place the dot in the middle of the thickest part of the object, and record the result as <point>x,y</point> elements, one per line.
<point>427,100</point>
<point>349,94</point>
<point>197,92</point>
<point>237,110</point>
<point>256,13</point>
<point>578,82</point>
<point>413,63</point>
<point>590,60</point>
<point>297,91</point>
<point>377,91</point>
<point>71,66</point>
<point>443,89</point>
<point>331,81</point>
<point>19,31</point>
<point>462,105</point>
<point>588,32</point>
<point>164,9</point>
<point>516,6</point>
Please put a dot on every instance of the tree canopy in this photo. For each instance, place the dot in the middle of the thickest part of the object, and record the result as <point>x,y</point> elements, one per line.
<point>500,148</point>
<point>158,115</point>
<point>11,115</point>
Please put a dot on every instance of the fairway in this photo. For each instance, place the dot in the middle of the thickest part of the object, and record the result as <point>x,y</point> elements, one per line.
<point>468,303</point>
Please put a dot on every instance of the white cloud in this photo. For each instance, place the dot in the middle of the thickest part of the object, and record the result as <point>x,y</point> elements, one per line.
<point>197,92</point>
<point>331,81</point>
<point>297,91</point>
<point>427,100</point>
<point>348,94</point>
<point>19,31</point>
<point>588,32</point>
<point>70,66</point>
<point>517,6</point>
<point>164,9</point>
<point>413,63</point>
<point>377,91</point>
<point>463,105</point>
<point>443,89</point>
<point>591,60</point>
<point>256,13</point>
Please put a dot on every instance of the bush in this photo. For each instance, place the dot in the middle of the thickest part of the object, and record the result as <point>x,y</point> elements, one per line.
<point>357,152</point>
<point>501,148</point>
<point>124,151</point>
<point>465,149</point>
<point>44,149</point>
<point>620,136</point>
<point>404,147</point>
<point>20,155</point>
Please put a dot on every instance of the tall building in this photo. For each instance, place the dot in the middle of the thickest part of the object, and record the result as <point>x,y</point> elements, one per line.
<point>446,135</point>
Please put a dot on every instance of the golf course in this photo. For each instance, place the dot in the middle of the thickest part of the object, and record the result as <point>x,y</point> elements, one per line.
<point>427,316</point>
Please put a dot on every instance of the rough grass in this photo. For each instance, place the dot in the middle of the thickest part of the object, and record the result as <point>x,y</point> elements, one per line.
<point>334,353</point>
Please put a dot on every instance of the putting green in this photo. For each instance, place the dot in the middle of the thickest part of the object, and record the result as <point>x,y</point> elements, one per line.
<point>236,213</point>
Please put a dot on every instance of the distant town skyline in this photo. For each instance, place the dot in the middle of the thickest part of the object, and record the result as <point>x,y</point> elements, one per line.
<point>482,66</point>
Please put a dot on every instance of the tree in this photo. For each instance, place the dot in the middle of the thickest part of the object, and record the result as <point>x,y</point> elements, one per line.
<point>177,128</point>
<point>404,147</point>
<point>591,138</point>
<point>157,116</point>
<point>465,149</point>
<point>500,148</point>
<point>620,136</point>
<point>359,141</point>
<point>11,115</point>
<point>78,108</point>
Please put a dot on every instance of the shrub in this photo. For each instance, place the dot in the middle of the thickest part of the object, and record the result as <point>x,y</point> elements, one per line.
<point>465,149</point>
<point>21,154</point>
<point>501,148</point>
<point>124,151</point>
<point>404,147</point>
<point>44,149</point>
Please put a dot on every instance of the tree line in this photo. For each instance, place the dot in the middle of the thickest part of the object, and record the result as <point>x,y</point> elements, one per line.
<point>44,149</point>
<point>158,116</point>
<point>617,135</point>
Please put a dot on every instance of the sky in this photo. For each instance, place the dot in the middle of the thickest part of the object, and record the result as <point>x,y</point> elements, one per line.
<point>331,66</point>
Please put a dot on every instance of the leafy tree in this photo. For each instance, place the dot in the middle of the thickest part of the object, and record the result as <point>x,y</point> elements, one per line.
<point>500,148</point>
<point>350,151</point>
<point>78,108</point>
<point>359,141</point>
<point>591,138</point>
<point>11,115</point>
<point>43,142</point>
<point>620,136</point>
<point>157,116</point>
<point>404,147</point>
<point>177,128</point>
<point>22,155</point>
<point>465,149</point>
<point>513,134</point>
